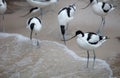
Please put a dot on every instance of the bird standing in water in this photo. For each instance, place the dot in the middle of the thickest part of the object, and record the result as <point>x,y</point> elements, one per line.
<point>65,15</point>
<point>89,41</point>
<point>3,8</point>
<point>101,9</point>
<point>34,25</point>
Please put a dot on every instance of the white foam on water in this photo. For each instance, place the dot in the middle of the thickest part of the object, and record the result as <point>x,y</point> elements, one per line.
<point>68,51</point>
<point>76,57</point>
<point>24,61</point>
<point>15,75</point>
<point>18,36</point>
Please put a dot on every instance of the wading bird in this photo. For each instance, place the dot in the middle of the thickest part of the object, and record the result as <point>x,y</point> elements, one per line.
<point>89,41</point>
<point>41,4</point>
<point>3,8</point>
<point>34,25</point>
<point>65,15</point>
<point>101,9</point>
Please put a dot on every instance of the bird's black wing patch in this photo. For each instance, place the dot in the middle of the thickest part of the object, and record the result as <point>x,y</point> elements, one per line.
<point>104,5</point>
<point>32,9</point>
<point>38,19</point>
<point>67,9</point>
<point>29,20</point>
<point>90,35</point>
<point>62,10</point>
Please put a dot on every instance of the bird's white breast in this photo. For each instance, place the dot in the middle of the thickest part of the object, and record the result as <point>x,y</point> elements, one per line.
<point>37,3</point>
<point>63,18</point>
<point>97,9</point>
<point>82,42</point>
<point>37,26</point>
<point>3,7</point>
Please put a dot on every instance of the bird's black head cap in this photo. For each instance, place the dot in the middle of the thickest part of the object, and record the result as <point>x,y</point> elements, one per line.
<point>91,1</point>
<point>79,32</point>
<point>32,26</point>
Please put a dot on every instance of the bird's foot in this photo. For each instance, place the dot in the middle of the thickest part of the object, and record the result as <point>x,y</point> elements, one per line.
<point>38,44</point>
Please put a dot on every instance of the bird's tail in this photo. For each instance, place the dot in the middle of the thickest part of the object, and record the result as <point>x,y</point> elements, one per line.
<point>106,37</point>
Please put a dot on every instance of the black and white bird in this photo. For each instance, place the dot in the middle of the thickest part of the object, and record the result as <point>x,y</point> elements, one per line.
<point>41,4</point>
<point>3,8</point>
<point>101,9</point>
<point>65,15</point>
<point>32,11</point>
<point>34,25</point>
<point>89,41</point>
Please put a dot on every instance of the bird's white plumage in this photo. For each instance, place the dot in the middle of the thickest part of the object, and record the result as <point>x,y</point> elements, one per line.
<point>85,44</point>
<point>40,4</point>
<point>101,9</point>
<point>63,17</point>
<point>36,21</point>
<point>89,41</point>
<point>3,6</point>
<point>97,8</point>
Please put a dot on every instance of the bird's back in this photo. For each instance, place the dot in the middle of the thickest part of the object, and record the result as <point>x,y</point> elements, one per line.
<point>90,41</point>
<point>37,23</point>
<point>102,8</point>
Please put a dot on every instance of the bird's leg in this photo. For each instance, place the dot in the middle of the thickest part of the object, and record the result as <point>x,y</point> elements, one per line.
<point>3,21</point>
<point>41,12</point>
<point>94,58</point>
<point>103,24</point>
<point>50,9</point>
<point>101,27</point>
<point>37,40</point>
<point>87,58</point>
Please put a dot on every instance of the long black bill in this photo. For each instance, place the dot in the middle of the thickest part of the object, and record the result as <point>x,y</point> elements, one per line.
<point>25,14</point>
<point>87,6</point>
<point>71,38</point>
<point>31,34</point>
